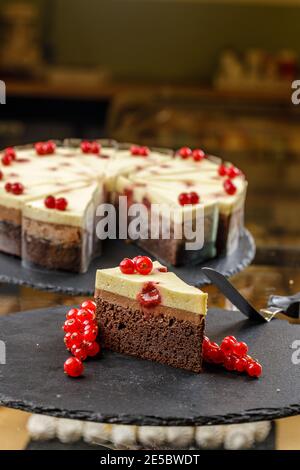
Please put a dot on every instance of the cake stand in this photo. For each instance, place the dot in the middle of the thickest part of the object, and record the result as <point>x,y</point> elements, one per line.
<point>121,389</point>
<point>12,271</point>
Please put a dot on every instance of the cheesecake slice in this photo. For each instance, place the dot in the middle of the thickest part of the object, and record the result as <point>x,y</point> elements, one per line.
<point>156,317</point>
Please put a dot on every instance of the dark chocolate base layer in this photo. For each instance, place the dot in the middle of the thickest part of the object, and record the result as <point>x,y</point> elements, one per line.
<point>51,256</point>
<point>164,338</point>
<point>10,238</point>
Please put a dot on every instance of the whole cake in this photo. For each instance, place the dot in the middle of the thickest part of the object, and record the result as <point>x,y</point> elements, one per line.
<point>49,193</point>
<point>145,311</point>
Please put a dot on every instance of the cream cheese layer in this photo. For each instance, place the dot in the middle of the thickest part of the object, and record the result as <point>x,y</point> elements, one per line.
<point>174,292</point>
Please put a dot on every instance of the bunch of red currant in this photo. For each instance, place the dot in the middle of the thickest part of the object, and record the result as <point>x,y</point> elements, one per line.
<point>232,354</point>
<point>140,265</point>
<point>81,333</point>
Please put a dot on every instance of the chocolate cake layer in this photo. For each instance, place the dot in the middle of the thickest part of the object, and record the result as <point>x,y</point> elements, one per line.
<point>10,238</point>
<point>169,336</point>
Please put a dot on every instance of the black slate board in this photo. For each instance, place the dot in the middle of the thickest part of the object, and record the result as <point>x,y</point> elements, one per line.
<point>12,271</point>
<point>122,389</point>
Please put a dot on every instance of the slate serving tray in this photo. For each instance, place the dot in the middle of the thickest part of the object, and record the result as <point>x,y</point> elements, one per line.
<point>122,389</point>
<point>12,271</point>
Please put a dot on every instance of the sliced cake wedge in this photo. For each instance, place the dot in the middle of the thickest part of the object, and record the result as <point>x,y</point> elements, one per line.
<point>156,316</point>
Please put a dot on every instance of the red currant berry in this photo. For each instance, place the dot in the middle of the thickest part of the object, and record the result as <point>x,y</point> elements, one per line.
<point>71,315</point>
<point>127,266</point>
<point>17,188</point>
<point>80,353</point>
<point>92,349</point>
<point>73,367</point>
<point>222,170</point>
<point>185,152</point>
<point>85,146</point>
<point>254,369</point>
<point>10,151</point>
<point>61,204</point>
<point>198,155</point>
<point>7,187</point>
<point>232,172</point>
<point>67,340</point>
<point>241,364</point>
<point>144,265</point>
<point>229,187</point>
<point>76,338</point>
<point>135,150</point>
<point>184,199</point>
<point>162,269</point>
<point>95,148</point>
<point>41,148</point>
<point>84,314</point>
<point>72,325</point>
<point>144,151</point>
<point>49,202</point>
<point>216,355</point>
<point>51,147</point>
<point>230,362</point>
<point>89,304</point>
<point>240,349</point>
<point>7,160</point>
<point>90,333</point>
<point>194,198</point>
<point>227,345</point>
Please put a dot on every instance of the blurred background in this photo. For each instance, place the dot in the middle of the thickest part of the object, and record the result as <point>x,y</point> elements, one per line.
<point>210,74</point>
<point>214,74</point>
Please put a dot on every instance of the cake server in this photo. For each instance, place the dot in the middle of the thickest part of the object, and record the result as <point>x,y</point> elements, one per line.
<point>277,304</point>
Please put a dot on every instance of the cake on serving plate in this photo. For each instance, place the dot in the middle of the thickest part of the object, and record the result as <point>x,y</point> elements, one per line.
<point>145,311</point>
<point>82,174</point>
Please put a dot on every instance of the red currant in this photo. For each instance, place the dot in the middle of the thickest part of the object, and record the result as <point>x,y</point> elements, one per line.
<point>10,151</point>
<point>76,338</point>
<point>8,187</point>
<point>194,198</point>
<point>254,369</point>
<point>49,202</point>
<point>89,304</point>
<point>84,314</point>
<point>71,326</point>
<point>68,341</point>
<point>162,269</point>
<point>240,349</point>
<point>241,364</point>
<point>90,333</point>
<point>135,150</point>
<point>144,151</point>
<point>198,155</point>
<point>127,266</point>
<point>71,315</point>
<point>185,152</point>
<point>73,367</point>
<point>184,199</point>
<point>229,187</point>
<point>80,353</point>
<point>51,147</point>
<point>144,265</point>
<point>17,188</point>
<point>95,148</point>
<point>230,362</point>
<point>7,160</point>
<point>222,170</point>
<point>149,296</point>
<point>85,146</point>
<point>228,344</point>
<point>41,148</point>
<point>92,349</point>
<point>216,355</point>
<point>61,204</point>
<point>232,172</point>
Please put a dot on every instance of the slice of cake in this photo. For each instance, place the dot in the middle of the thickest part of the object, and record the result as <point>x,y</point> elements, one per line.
<point>154,315</point>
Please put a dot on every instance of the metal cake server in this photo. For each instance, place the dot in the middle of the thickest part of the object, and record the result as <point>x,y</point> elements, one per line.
<point>276,304</point>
